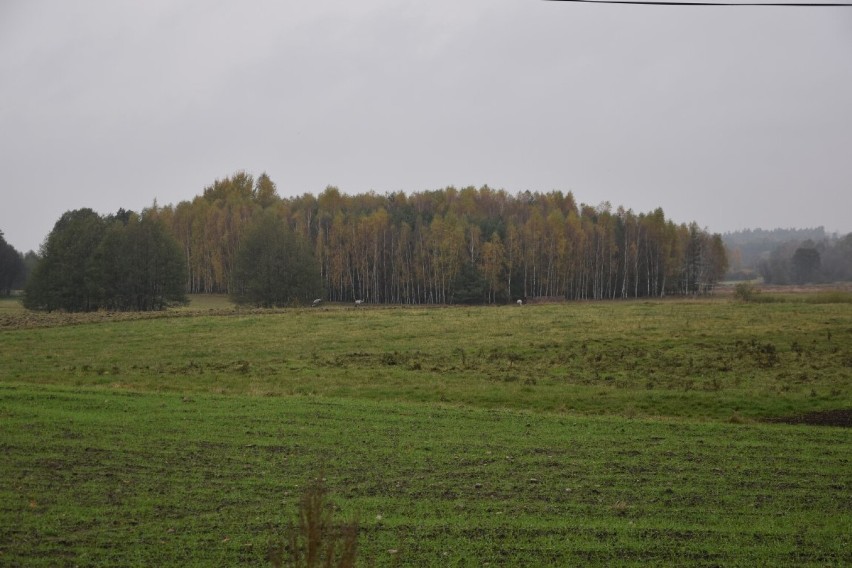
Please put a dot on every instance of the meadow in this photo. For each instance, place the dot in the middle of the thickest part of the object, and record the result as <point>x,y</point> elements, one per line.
<point>626,433</point>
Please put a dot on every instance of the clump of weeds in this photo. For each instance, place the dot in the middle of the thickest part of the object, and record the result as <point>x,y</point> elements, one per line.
<point>316,541</point>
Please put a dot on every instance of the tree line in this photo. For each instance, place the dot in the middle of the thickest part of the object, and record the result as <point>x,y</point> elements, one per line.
<point>469,245</point>
<point>809,262</point>
<point>13,268</point>
<point>477,245</point>
<point>749,247</point>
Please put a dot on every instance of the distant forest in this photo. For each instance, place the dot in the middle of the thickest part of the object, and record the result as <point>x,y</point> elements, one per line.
<point>470,245</point>
<point>789,256</point>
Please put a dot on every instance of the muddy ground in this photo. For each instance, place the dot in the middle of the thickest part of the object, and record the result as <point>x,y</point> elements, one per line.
<point>841,417</point>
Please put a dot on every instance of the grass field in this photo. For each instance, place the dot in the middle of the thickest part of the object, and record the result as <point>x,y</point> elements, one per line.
<point>563,434</point>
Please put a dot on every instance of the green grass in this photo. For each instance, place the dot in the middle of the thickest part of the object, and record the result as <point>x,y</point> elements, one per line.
<point>691,359</point>
<point>10,305</point>
<point>110,478</point>
<point>816,297</point>
<point>566,434</point>
<point>829,297</point>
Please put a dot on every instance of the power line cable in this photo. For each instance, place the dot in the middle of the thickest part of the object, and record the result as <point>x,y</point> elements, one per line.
<point>663,3</point>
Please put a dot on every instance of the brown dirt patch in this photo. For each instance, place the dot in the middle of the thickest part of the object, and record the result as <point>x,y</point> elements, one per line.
<point>841,417</point>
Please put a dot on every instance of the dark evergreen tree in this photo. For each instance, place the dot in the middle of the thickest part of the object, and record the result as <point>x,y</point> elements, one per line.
<point>31,260</point>
<point>123,262</point>
<point>274,267</point>
<point>12,267</point>
<point>777,269</point>
<point>836,260</point>
<point>469,286</point>
<point>806,262</point>
<point>141,266</point>
<point>66,277</point>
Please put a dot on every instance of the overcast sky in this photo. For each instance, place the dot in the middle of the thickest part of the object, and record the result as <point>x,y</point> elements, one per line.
<point>731,117</point>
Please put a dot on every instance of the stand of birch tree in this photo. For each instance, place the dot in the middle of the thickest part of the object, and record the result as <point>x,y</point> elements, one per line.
<point>412,248</point>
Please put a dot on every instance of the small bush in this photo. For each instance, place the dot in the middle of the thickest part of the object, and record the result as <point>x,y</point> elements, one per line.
<point>746,292</point>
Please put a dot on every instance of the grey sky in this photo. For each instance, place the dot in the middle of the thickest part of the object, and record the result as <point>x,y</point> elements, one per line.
<point>731,117</point>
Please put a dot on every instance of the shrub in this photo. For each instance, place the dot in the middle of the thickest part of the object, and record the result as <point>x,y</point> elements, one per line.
<point>746,291</point>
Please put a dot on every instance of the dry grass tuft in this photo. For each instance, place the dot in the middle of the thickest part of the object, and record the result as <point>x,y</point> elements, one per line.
<point>317,541</point>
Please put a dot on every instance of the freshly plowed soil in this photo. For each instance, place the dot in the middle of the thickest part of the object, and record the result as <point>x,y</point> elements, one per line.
<point>840,417</point>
